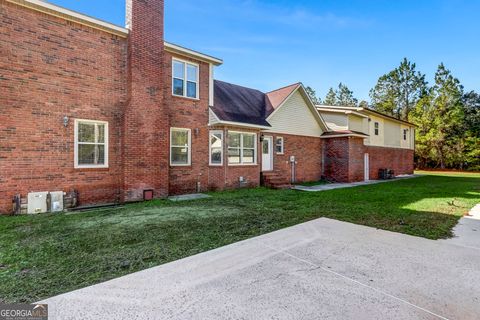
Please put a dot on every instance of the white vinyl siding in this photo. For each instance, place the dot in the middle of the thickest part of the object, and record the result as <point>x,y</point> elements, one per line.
<point>295,117</point>
<point>356,123</point>
<point>335,121</point>
<point>390,133</point>
<point>393,132</point>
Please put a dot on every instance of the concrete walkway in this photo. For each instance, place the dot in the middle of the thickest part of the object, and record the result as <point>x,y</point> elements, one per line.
<point>322,269</point>
<point>467,231</point>
<point>331,186</point>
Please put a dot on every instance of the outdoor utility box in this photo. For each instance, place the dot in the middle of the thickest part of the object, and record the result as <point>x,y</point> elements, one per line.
<point>56,201</point>
<point>37,202</point>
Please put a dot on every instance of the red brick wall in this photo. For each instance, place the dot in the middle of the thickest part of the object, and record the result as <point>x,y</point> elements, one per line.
<point>227,176</point>
<point>146,124</point>
<point>51,68</point>
<point>400,160</point>
<point>356,162</point>
<point>191,114</point>
<point>308,157</point>
<point>344,159</point>
<point>336,159</point>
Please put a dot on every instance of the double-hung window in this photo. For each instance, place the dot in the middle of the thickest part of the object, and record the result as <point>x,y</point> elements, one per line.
<point>242,148</point>
<point>180,145</point>
<point>91,144</point>
<point>216,147</point>
<point>185,79</point>
<point>279,145</point>
<point>377,128</point>
<point>405,134</point>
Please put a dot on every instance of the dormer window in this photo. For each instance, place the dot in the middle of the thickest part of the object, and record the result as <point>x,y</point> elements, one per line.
<point>185,79</point>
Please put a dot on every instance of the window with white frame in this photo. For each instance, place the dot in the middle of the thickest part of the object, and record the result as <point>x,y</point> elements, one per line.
<point>405,134</point>
<point>91,144</point>
<point>180,145</point>
<point>377,126</point>
<point>185,79</point>
<point>242,147</point>
<point>279,145</point>
<point>216,147</point>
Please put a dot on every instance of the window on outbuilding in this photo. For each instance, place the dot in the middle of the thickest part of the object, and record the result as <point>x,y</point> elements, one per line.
<point>91,144</point>
<point>185,79</point>
<point>377,128</point>
<point>405,134</point>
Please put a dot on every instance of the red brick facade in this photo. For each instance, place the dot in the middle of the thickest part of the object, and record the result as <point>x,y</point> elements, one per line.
<point>397,159</point>
<point>189,114</point>
<point>51,68</point>
<point>345,159</point>
<point>228,176</point>
<point>308,158</point>
<point>146,124</point>
<point>54,70</point>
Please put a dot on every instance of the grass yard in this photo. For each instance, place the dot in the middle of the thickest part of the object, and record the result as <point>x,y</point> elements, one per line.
<point>45,255</point>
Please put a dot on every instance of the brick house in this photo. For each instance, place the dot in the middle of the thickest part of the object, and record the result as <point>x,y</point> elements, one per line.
<point>109,114</point>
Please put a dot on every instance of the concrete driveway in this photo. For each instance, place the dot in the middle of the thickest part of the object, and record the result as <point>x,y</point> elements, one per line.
<point>323,269</point>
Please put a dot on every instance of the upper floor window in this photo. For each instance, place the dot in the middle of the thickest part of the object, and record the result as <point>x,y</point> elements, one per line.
<point>185,79</point>
<point>241,147</point>
<point>405,134</point>
<point>279,145</point>
<point>91,144</point>
<point>377,128</point>
<point>180,145</point>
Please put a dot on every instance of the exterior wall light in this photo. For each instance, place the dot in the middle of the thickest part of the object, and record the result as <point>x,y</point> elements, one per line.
<point>65,121</point>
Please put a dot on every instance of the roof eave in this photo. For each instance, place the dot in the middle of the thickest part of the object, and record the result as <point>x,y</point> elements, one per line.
<point>240,124</point>
<point>174,48</point>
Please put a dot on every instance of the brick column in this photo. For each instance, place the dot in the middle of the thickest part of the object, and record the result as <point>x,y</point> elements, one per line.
<point>146,124</point>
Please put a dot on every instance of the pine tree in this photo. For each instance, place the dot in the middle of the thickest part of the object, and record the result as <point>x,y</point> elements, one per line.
<point>313,95</point>
<point>331,98</point>
<point>447,118</point>
<point>397,92</point>
<point>345,96</point>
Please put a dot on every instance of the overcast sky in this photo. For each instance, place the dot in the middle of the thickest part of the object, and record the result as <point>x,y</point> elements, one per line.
<point>267,44</point>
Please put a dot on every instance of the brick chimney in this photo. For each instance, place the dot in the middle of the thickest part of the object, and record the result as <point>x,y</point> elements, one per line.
<point>146,124</point>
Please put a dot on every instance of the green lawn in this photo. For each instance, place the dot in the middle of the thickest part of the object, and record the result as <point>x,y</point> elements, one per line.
<point>44,255</point>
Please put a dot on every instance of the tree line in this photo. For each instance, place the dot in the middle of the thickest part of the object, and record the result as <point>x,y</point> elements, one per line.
<point>447,118</point>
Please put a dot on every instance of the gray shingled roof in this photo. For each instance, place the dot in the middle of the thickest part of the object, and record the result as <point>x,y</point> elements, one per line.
<point>239,104</point>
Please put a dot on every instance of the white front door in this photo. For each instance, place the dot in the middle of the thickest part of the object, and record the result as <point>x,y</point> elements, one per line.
<point>267,154</point>
<point>367,167</point>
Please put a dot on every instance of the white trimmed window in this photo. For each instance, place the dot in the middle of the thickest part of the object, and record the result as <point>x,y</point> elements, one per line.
<point>377,128</point>
<point>91,144</point>
<point>242,148</point>
<point>180,145</point>
<point>405,134</point>
<point>216,147</point>
<point>185,79</point>
<point>279,145</point>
